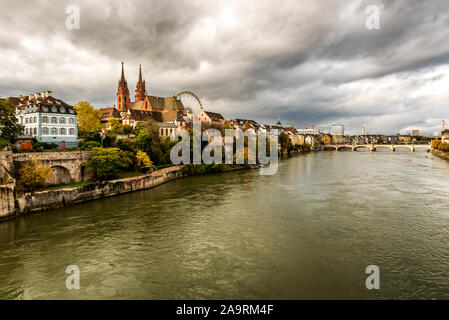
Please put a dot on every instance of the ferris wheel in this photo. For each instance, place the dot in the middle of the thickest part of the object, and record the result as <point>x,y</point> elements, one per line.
<point>192,104</point>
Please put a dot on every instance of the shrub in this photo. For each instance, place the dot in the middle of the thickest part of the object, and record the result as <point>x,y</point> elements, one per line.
<point>89,145</point>
<point>26,147</point>
<point>33,174</point>
<point>143,160</point>
<point>108,161</point>
<point>126,145</point>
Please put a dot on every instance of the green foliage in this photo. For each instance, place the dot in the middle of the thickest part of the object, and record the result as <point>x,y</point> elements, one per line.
<point>88,118</point>
<point>43,146</point>
<point>201,169</point>
<point>9,126</point>
<point>3,143</point>
<point>89,145</point>
<point>148,141</point>
<point>126,145</point>
<point>143,160</point>
<point>108,161</point>
<point>33,174</point>
<point>93,136</point>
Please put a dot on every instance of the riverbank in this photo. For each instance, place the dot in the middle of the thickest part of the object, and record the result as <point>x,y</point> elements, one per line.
<point>17,203</point>
<point>440,154</point>
<point>29,202</point>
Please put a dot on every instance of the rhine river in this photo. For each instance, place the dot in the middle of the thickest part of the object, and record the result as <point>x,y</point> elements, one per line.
<point>307,232</point>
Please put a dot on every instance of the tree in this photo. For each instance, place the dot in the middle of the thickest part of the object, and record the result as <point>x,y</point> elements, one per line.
<point>33,174</point>
<point>108,161</point>
<point>88,118</point>
<point>143,160</point>
<point>9,126</point>
<point>148,141</point>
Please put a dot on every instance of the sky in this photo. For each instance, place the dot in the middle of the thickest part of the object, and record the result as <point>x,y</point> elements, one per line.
<point>301,60</point>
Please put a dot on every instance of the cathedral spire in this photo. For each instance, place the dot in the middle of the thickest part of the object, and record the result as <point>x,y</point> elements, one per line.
<point>123,93</point>
<point>140,87</point>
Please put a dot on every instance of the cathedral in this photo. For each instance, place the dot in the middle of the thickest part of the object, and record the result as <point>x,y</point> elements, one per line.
<point>167,112</point>
<point>142,101</point>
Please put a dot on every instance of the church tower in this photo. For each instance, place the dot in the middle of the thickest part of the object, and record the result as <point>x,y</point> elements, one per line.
<point>140,88</point>
<point>123,93</point>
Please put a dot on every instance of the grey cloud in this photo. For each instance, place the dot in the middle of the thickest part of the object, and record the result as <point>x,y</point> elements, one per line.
<point>311,60</point>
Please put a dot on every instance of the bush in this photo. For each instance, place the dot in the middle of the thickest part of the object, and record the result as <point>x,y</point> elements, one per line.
<point>3,143</point>
<point>33,174</point>
<point>89,145</point>
<point>108,161</point>
<point>26,147</point>
<point>126,145</point>
<point>143,160</point>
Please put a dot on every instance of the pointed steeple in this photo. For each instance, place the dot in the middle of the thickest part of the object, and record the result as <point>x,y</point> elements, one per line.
<point>140,87</point>
<point>123,93</point>
<point>123,72</point>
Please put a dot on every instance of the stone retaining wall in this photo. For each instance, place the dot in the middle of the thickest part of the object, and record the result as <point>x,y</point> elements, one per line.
<point>44,200</point>
<point>7,207</point>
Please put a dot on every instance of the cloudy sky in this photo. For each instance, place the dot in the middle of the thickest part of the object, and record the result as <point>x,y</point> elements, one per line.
<point>300,60</point>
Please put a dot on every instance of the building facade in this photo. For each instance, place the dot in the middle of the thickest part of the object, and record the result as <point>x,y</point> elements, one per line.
<point>47,119</point>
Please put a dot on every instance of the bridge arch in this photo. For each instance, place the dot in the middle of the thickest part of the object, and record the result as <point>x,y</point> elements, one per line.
<point>361,148</point>
<point>60,175</point>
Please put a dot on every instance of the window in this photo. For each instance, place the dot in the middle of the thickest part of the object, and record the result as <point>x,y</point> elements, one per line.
<point>71,121</point>
<point>54,109</point>
<point>44,119</point>
<point>35,119</point>
<point>54,120</point>
<point>72,131</point>
<point>35,131</point>
<point>62,120</point>
<point>26,120</point>
<point>53,131</point>
<point>62,110</point>
<point>45,130</point>
<point>63,131</point>
<point>26,131</point>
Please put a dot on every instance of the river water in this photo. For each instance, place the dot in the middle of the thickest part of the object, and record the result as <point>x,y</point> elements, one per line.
<point>309,231</point>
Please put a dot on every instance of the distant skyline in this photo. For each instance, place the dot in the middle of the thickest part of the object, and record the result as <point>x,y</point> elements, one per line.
<point>313,61</point>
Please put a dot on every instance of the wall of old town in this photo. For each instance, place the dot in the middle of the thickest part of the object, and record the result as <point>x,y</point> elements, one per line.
<point>29,202</point>
<point>7,205</point>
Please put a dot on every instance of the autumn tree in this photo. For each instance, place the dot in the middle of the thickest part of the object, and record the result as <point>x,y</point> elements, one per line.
<point>33,174</point>
<point>9,125</point>
<point>88,118</point>
<point>143,160</point>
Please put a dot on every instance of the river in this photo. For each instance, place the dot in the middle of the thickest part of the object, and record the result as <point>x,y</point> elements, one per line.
<point>307,232</point>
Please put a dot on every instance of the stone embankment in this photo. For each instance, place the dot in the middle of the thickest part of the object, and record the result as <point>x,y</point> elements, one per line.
<point>27,202</point>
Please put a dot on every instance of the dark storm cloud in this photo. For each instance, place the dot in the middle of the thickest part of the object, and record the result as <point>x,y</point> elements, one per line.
<point>309,61</point>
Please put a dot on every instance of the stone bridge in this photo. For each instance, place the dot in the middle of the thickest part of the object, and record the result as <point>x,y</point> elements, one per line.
<point>375,147</point>
<point>67,166</point>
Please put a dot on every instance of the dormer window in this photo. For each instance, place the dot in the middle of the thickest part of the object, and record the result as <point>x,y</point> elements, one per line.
<point>53,109</point>
<point>62,110</point>
<point>45,109</point>
<point>72,111</point>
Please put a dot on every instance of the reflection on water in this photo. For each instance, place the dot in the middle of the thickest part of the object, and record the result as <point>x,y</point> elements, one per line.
<point>307,232</point>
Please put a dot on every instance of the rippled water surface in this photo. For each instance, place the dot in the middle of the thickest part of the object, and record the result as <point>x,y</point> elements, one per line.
<point>307,232</point>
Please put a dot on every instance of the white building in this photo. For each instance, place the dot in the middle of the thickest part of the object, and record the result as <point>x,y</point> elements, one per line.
<point>338,130</point>
<point>47,119</point>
